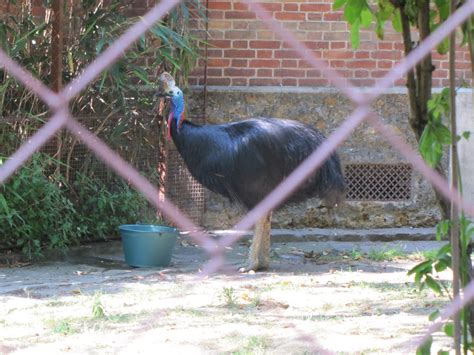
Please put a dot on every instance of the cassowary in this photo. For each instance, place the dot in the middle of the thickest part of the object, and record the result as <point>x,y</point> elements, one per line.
<point>246,160</point>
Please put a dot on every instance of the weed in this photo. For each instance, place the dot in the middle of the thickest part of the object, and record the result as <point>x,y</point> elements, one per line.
<point>64,327</point>
<point>327,307</point>
<point>229,297</point>
<point>253,345</point>
<point>98,311</point>
<point>56,304</point>
<point>386,254</point>
<point>425,254</point>
<point>256,301</point>
<point>189,311</point>
<point>120,318</point>
<point>356,254</point>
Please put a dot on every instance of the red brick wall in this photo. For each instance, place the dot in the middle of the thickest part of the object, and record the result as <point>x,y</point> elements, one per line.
<point>244,52</point>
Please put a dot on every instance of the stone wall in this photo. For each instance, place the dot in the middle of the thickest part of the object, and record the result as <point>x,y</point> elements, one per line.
<point>324,109</point>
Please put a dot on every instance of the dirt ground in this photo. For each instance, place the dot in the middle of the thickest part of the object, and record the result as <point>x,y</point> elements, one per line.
<point>318,297</point>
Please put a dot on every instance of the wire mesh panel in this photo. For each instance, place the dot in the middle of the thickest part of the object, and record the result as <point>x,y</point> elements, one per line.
<point>180,187</point>
<point>75,158</point>
<point>379,182</point>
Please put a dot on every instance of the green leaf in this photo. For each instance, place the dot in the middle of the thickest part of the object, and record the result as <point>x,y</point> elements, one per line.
<point>423,267</point>
<point>141,73</point>
<point>429,148</point>
<point>4,204</point>
<point>434,315</point>
<point>100,45</point>
<point>433,284</point>
<point>425,349</point>
<point>445,250</point>
<point>355,36</point>
<point>338,4</point>
<point>443,9</point>
<point>443,47</point>
<point>397,22</point>
<point>365,17</point>
<point>449,329</point>
<point>442,229</point>
<point>442,134</point>
<point>466,134</point>
<point>379,29</point>
<point>441,265</point>
<point>353,10</point>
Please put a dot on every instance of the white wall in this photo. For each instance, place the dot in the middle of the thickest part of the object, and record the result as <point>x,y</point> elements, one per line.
<point>465,118</point>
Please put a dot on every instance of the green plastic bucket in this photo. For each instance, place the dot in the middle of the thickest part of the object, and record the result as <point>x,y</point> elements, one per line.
<point>147,245</point>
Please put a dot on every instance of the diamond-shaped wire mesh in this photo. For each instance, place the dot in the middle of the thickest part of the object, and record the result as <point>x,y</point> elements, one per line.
<point>180,187</point>
<point>117,131</point>
<point>379,182</point>
<point>61,118</point>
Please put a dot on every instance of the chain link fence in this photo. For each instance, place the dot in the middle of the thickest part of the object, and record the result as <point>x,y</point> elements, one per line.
<point>62,121</point>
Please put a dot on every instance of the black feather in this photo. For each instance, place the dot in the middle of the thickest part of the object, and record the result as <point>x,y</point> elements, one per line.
<point>246,160</point>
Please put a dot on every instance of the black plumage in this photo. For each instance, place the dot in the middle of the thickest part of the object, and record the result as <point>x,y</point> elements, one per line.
<point>246,160</point>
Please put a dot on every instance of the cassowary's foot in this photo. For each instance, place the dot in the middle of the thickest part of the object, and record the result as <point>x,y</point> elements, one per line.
<point>259,256</point>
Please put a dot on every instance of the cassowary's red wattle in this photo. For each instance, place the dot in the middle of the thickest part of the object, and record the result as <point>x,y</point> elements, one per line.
<point>170,119</point>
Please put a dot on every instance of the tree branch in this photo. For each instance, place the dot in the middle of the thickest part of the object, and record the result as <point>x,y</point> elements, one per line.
<point>411,80</point>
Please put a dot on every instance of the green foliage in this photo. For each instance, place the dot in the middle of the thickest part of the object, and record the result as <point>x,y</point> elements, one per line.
<point>94,26</point>
<point>64,328</point>
<point>100,209</point>
<point>46,204</point>
<point>436,135</point>
<point>38,209</point>
<point>35,211</point>
<point>423,272</point>
<point>229,297</point>
<point>425,349</point>
<point>98,311</point>
<point>362,13</point>
<point>358,14</point>
<point>386,254</point>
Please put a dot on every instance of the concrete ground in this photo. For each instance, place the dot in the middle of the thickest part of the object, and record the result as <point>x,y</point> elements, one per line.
<point>318,290</point>
<point>90,265</point>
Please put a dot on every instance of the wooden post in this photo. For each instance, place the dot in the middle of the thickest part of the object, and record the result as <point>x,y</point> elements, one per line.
<point>57,44</point>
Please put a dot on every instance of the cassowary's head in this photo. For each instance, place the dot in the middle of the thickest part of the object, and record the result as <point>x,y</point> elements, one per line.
<point>177,102</point>
<point>169,89</point>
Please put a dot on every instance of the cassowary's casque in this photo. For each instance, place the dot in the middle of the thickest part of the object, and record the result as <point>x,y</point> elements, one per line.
<point>246,160</point>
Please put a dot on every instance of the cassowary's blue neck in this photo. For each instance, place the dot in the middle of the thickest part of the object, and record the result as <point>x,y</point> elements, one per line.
<point>177,107</point>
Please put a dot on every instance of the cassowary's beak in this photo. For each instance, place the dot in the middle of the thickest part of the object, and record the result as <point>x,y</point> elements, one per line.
<point>164,94</point>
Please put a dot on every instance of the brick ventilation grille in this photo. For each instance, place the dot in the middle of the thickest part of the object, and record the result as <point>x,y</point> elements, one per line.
<point>180,187</point>
<point>379,182</point>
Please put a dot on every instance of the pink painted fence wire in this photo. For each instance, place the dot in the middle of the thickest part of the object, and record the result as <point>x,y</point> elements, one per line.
<point>62,119</point>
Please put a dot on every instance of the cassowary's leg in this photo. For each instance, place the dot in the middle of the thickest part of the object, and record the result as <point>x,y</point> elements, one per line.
<point>259,257</point>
